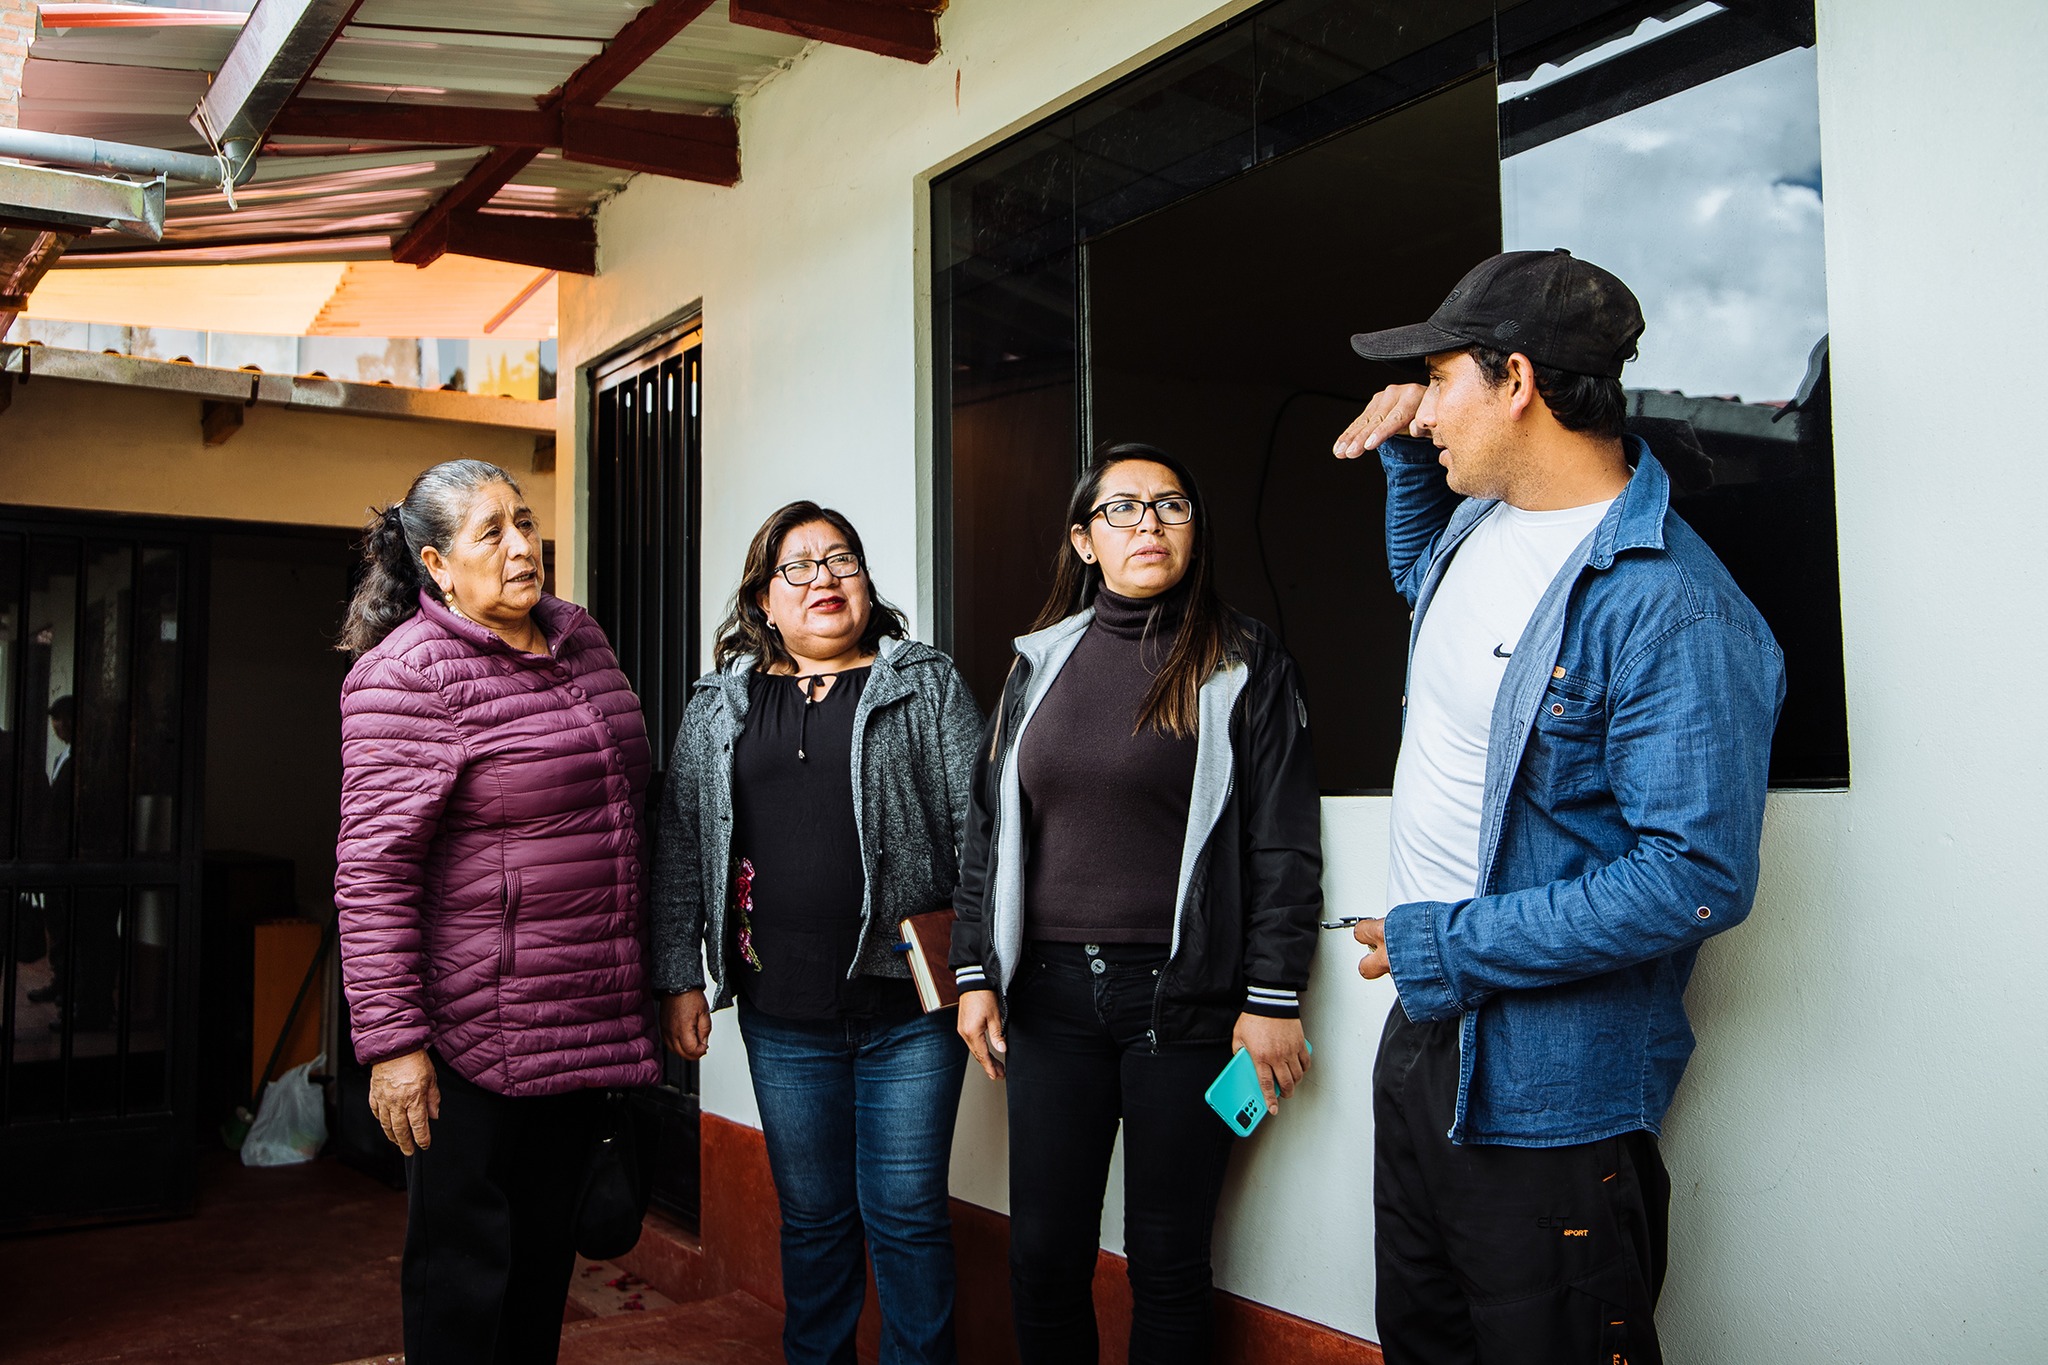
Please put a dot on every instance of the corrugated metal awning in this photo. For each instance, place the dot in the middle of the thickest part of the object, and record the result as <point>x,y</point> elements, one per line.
<point>134,73</point>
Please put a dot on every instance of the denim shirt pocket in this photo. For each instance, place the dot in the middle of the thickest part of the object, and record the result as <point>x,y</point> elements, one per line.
<point>1566,754</point>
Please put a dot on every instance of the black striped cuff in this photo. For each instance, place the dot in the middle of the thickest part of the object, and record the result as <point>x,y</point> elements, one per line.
<point>971,979</point>
<point>1273,1002</point>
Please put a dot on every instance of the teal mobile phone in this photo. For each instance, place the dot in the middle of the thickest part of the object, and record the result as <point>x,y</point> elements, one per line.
<point>1235,1094</point>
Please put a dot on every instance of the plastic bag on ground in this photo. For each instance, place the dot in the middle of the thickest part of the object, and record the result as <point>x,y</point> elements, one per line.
<point>291,1124</point>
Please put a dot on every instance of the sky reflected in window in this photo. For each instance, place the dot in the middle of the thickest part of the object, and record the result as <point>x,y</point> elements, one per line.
<point>1708,203</point>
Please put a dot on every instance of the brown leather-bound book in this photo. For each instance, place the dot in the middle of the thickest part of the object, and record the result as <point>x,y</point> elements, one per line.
<point>929,938</point>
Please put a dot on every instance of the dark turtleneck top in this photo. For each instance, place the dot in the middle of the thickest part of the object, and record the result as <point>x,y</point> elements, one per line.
<point>1106,809</point>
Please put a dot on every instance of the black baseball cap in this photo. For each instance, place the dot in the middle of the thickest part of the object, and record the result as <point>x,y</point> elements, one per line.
<point>1561,312</point>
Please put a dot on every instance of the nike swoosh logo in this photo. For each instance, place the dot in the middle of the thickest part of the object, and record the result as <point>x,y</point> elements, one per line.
<point>1500,653</point>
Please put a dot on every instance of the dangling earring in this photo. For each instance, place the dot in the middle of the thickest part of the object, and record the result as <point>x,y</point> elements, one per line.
<point>448,601</point>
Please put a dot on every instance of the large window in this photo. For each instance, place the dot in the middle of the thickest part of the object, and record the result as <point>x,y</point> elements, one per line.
<point>1181,259</point>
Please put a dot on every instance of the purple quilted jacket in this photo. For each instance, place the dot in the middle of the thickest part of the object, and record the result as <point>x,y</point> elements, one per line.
<point>493,874</point>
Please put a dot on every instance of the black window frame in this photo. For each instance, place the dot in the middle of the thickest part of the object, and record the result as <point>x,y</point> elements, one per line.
<point>1046,238</point>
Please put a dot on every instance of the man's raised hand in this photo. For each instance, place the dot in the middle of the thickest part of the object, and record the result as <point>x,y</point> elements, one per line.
<point>1390,413</point>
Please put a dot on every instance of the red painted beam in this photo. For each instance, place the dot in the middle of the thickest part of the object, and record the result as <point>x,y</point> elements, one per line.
<point>686,146</point>
<point>427,238</point>
<point>565,244</point>
<point>651,30</point>
<point>646,34</point>
<point>895,28</point>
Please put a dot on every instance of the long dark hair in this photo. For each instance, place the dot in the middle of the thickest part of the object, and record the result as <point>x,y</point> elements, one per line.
<point>1208,633</point>
<point>430,513</point>
<point>745,630</point>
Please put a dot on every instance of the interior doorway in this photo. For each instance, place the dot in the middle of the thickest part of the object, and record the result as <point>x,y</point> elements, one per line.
<point>102,629</point>
<point>168,705</point>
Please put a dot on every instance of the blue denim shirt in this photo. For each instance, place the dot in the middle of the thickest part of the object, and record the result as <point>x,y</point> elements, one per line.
<point>1623,808</point>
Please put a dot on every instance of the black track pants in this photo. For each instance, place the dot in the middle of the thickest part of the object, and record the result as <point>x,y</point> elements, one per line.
<point>488,1225</point>
<point>1506,1255</point>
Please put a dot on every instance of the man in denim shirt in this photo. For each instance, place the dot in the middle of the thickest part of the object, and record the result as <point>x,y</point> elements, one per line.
<point>1577,806</point>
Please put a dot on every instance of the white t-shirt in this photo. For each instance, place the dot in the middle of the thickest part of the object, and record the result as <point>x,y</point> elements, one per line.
<point>1475,620</point>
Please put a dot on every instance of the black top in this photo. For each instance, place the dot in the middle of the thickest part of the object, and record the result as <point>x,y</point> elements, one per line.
<point>798,916</point>
<point>1107,810</point>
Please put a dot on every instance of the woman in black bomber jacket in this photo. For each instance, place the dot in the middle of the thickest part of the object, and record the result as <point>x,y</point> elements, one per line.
<point>1138,899</point>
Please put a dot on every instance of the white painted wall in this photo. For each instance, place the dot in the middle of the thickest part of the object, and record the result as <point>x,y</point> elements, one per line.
<point>1857,1151</point>
<point>1856,1154</point>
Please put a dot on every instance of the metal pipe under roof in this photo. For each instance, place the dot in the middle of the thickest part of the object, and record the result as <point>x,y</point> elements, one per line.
<point>122,156</point>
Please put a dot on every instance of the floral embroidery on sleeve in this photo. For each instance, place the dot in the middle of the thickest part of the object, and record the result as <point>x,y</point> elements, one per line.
<point>743,887</point>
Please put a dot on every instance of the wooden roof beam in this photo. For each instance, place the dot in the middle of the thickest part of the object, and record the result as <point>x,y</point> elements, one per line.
<point>427,238</point>
<point>647,33</point>
<point>702,147</point>
<point>567,245</point>
<point>908,29</point>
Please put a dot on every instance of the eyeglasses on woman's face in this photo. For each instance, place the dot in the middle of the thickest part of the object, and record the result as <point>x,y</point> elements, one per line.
<point>1124,513</point>
<point>800,573</point>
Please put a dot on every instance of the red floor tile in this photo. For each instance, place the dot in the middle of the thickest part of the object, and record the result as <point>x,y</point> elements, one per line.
<point>734,1330</point>
<point>292,1266</point>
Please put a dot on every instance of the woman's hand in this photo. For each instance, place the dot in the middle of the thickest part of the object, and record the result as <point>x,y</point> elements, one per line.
<point>403,1096</point>
<point>1279,1053</point>
<point>981,1027</point>
<point>686,1025</point>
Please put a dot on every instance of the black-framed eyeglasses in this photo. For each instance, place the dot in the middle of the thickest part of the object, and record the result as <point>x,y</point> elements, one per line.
<point>1124,513</point>
<point>802,572</point>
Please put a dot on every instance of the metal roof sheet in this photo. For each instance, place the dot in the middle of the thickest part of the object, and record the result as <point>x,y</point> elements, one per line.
<point>598,19</point>
<point>171,47</point>
<point>121,104</point>
<point>133,73</point>
<point>448,61</point>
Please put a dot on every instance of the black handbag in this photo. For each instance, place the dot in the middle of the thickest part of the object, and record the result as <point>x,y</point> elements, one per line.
<point>613,1200</point>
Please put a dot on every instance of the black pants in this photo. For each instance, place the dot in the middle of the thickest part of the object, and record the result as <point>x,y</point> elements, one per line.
<point>1506,1255</point>
<point>1081,1060</point>
<point>490,1210</point>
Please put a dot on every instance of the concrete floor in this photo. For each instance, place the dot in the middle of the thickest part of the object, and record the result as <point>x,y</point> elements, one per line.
<point>299,1266</point>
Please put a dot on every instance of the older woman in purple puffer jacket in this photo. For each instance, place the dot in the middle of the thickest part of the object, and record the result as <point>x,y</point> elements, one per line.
<point>492,889</point>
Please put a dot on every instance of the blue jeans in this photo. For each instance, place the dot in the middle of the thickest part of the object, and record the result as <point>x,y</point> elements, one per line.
<point>859,1123</point>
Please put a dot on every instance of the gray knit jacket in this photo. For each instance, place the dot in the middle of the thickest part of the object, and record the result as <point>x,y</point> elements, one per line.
<point>915,735</point>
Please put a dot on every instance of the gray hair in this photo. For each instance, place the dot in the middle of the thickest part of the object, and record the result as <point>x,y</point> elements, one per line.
<point>430,513</point>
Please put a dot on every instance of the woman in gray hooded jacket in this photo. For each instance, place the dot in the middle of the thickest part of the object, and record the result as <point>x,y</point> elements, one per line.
<point>817,796</point>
